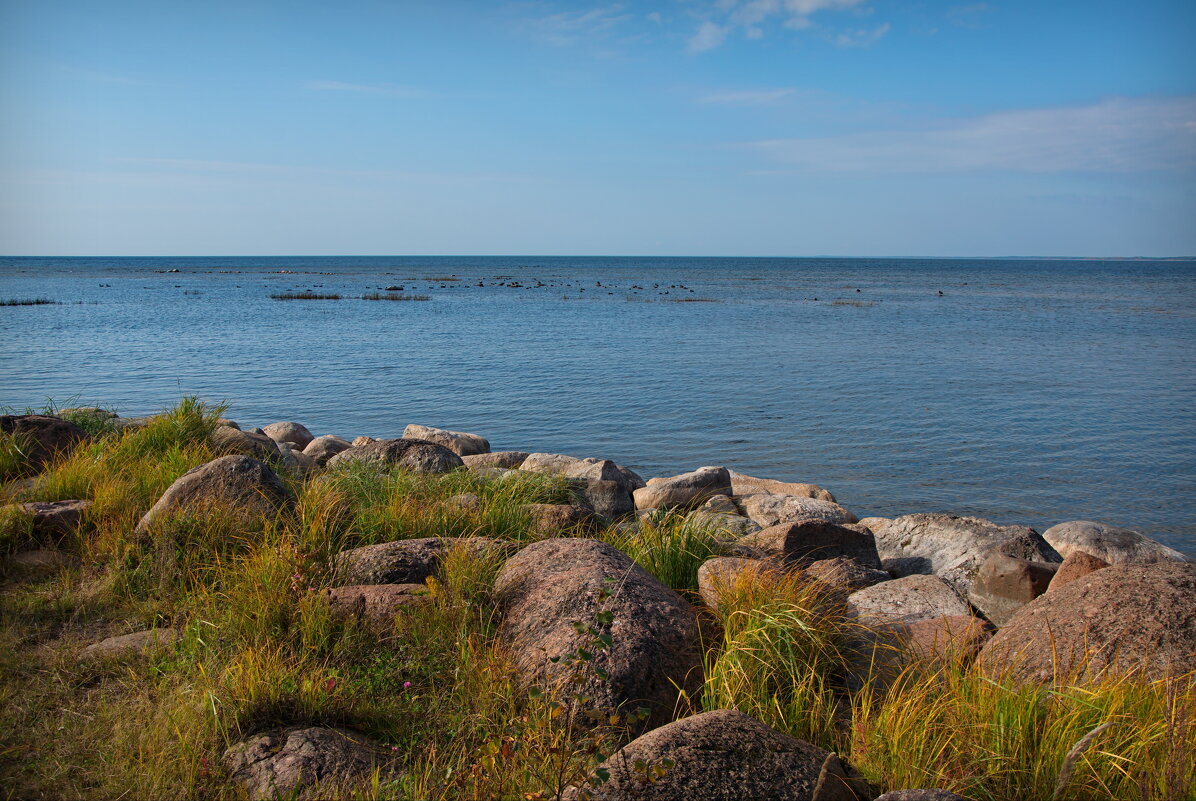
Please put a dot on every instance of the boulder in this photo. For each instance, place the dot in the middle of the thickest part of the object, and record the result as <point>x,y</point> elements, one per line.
<point>1076,564</point>
<point>55,519</point>
<point>417,455</point>
<point>128,645</point>
<point>238,482</point>
<point>1117,546</point>
<point>1004,584</point>
<point>809,541</point>
<point>321,449</point>
<point>458,442</point>
<point>772,510</point>
<point>44,438</point>
<point>684,490</point>
<point>948,637</point>
<point>42,560</point>
<point>297,462</point>
<point>750,485</point>
<point>874,524</point>
<point>720,504</point>
<point>555,464</point>
<point>953,548</point>
<point>374,604</point>
<point>1123,618</point>
<point>551,585</point>
<point>906,600</point>
<point>299,762</point>
<point>290,432</point>
<point>716,576</point>
<point>845,573</point>
<point>132,423</point>
<point>609,499</point>
<point>557,519</point>
<point>731,526</point>
<point>722,755</point>
<point>359,441</point>
<point>246,443</point>
<point>466,502</point>
<point>508,460</point>
<point>404,561</point>
<point>921,795</point>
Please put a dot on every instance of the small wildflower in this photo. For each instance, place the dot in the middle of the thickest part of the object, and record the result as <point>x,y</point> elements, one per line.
<point>328,685</point>
<point>406,685</point>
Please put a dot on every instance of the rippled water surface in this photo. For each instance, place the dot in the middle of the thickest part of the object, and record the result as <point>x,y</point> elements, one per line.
<point>1027,392</point>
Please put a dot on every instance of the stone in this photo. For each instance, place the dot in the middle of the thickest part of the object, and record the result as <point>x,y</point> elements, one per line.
<point>845,573</point>
<point>555,464</point>
<point>246,443</point>
<point>731,526</point>
<point>874,524</point>
<point>374,604</point>
<point>131,423</point>
<point>55,519</point>
<point>750,485</point>
<point>558,519</point>
<point>403,561</point>
<point>323,448</point>
<point>1124,618</point>
<point>300,762</point>
<point>772,510</point>
<point>720,504</point>
<point>297,462</point>
<point>458,442</point>
<point>42,560</point>
<point>238,483</point>
<point>359,441</point>
<point>809,541</point>
<point>1117,546</point>
<point>44,438</point>
<point>416,455</point>
<point>947,637</point>
<point>1004,584</point>
<point>921,795</point>
<point>609,499</point>
<point>684,490</point>
<point>722,755</point>
<point>953,547</point>
<point>1076,564</point>
<point>906,600</point>
<point>290,432</point>
<point>466,502</point>
<point>716,576</point>
<point>553,584</point>
<point>128,645</point>
<point>508,460</point>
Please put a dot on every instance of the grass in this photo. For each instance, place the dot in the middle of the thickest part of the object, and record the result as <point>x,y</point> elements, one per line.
<point>28,302</point>
<point>393,296</point>
<point>304,296</point>
<point>259,649</point>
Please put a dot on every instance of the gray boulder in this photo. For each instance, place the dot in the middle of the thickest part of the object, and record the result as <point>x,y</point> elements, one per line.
<point>1117,546</point>
<point>731,526</point>
<point>559,519</point>
<point>289,432</point>
<point>953,547</point>
<point>551,585</point>
<point>906,600</point>
<point>236,483</point>
<point>809,541</point>
<point>416,455</point>
<point>845,573</point>
<point>722,755</point>
<point>684,490</point>
<point>129,645</point>
<point>508,460</point>
<point>228,440</point>
<point>555,464</point>
<point>321,449</point>
<point>750,485</point>
<point>55,519</point>
<point>403,561</point>
<point>771,510</point>
<point>1004,584</point>
<point>376,605</point>
<point>609,499</point>
<point>458,442</point>
<point>299,762</point>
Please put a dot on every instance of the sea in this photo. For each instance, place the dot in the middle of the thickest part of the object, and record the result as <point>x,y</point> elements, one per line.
<point>1023,391</point>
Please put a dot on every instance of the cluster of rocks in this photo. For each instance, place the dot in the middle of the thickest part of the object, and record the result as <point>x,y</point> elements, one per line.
<point>1080,598</point>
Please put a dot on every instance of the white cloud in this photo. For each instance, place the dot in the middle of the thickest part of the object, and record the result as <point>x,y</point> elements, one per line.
<point>861,37</point>
<point>751,97</point>
<point>568,27</point>
<point>361,88</point>
<point>707,37</point>
<point>1116,135</point>
<point>752,17</point>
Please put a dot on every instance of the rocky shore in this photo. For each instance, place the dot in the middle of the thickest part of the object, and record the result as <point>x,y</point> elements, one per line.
<point>593,627</point>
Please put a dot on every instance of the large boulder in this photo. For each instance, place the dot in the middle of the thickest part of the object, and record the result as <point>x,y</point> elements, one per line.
<point>722,755</point>
<point>1076,564</point>
<point>552,587</point>
<point>559,519</point>
<point>290,432</point>
<point>376,605</point>
<point>555,464</point>
<point>239,483</point>
<point>731,525</point>
<point>55,519</point>
<point>750,485</point>
<point>684,490</point>
<point>771,510</point>
<point>1117,546</point>
<point>299,762</point>
<point>404,561</point>
<point>845,574</point>
<point>947,637</point>
<point>718,576</point>
<point>808,541</point>
<point>508,460</point>
<point>417,455</point>
<point>233,441</point>
<point>458,442</point>
<point>1004,584</point>
<point>953,547</point>
<point>906,600</point>
<point>1123,618</point>
<point>325,447</point>
<point>609,499</point>
<point>43,438</point>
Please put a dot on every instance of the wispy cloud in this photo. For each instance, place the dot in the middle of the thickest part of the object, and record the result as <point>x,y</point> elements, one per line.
<point>389,90</point>
<point>1116,135</point>
<point>752,17</point>
<point>569,27</point>
<point>751,97</point>
<point>861,37</point>
<point>244,170</point>
<point>969,16</point>
<point>708,37</point>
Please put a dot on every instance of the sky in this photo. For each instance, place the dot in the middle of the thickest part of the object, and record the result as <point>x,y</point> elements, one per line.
<point>680,127</point>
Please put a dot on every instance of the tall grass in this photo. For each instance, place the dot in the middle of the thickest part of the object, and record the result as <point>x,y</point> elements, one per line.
<point>670,546</point>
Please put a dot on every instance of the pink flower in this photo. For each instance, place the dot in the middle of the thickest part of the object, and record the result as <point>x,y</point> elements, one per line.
<point>406,685</point>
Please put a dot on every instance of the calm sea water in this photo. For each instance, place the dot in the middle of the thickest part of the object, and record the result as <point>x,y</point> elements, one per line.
<point>1026,392</point>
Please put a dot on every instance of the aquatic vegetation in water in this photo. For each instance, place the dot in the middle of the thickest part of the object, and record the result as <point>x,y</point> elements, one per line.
<point>303,296</point>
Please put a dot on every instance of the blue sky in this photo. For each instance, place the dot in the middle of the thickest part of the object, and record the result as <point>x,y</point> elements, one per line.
<point>679,127</point>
